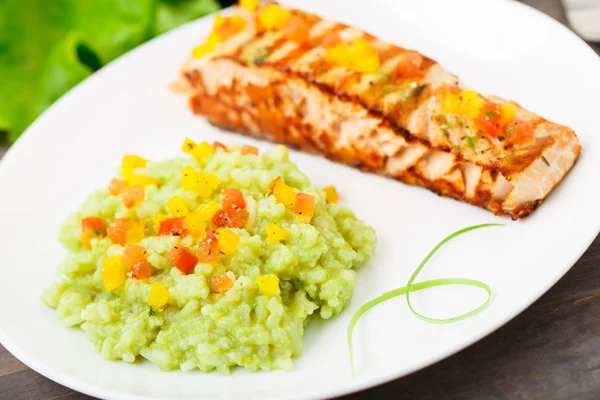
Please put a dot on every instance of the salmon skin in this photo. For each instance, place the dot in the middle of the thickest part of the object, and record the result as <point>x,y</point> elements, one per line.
<point>398,121</point>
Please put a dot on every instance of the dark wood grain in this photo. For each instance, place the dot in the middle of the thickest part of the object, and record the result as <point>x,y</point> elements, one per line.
<point>550,351</point>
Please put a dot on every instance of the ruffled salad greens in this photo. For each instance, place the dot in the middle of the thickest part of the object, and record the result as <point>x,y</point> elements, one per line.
<point>47,47</point>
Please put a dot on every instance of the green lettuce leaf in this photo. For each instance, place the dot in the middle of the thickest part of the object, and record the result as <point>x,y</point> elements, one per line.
<point>47,47</point>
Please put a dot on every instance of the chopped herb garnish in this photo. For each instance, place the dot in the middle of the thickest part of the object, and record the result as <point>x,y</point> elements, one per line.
<point>446,132</point>
<point>151,312</point>
<point>510,130</point>
<point>385,78</point>
<point>490,113</point>
<point>471,141</point>
<point>96,232</point>
<point>261,57</point>
<point>545,160</point>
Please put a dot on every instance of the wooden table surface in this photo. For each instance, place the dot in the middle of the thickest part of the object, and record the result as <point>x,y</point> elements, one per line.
<point>550,351</point>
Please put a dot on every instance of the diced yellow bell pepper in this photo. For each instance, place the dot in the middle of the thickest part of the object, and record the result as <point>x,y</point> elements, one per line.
<point>135,234</point>
<point>208,46</point>
<point>113,273</point>
<point>202,183</point>
<point>203,150</point>
<point>228,241</point>
<point>218,21</point>
<point>450,103</point>
<point>250,5</point>
<point>195,223</point>
<point>188,145</point>
<point>158,218</point>
<point>470,103</point>
<point>158,297</point>
<point>274,18</point>
<point>331,195</point>
<point>188,179</point>
<point>177,206</point>
<point>129,165</point>
<point>284,194</point>
<point>268,284</point>
<point>508,111</point>
<point>360,56</point>
<point>275,234</point>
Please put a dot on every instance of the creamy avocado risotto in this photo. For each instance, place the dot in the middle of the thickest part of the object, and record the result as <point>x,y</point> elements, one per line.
<point>209,261</point>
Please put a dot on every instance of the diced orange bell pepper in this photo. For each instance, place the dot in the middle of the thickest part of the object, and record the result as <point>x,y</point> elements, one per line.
<point>297,30</point>
<point>133,196</point>
<point>219,145</point>
<point>247,149</point>
<point>133,253</point>
<point>208,249</point>
<point>172,227</point>
<point>221,283</point>
<point>305,206</point>
<point>117,230</point>
<point>141,270</point>
<point>117,186</point>
<point>182,259</point>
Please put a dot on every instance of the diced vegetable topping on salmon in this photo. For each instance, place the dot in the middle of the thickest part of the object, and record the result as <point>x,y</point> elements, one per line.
<point>228,241</point>
<point>208,46</point>
<point>275,234</point>
<point>117,186</point>
<point>226,27</point>
<point>305,206</point>
<point>283,193</point>
<point>177,207</point>
<point>268,285</point>
<point>133,196</point>
<point>297,30</point>
<point>208,249</point>
<point>113,273</point>
<point>359,56</point>
<point>273,17</point>
<point>182,259</point>
<point>158,297</point>
<point>331,195</point>
<point>172,227</point>
<point>250,5</point>
<point>221,283</point>
<point>411,66</point>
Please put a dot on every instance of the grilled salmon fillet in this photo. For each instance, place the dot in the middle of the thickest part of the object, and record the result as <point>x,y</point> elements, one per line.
<point>330,89</point>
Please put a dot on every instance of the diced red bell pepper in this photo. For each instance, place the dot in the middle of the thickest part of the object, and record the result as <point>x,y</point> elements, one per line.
<point>221,283</point>
<point>230,218</point>
<point>297,30</point>
<point>96,224</point>
<point>246,149</point>
<point>219,145</point>
<point>182,259</point>
<point>172,227</point>
<point>490,119</point>
<point>133,253</point>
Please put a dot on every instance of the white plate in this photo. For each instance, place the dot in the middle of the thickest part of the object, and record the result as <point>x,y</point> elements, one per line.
<point>497,46</point>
